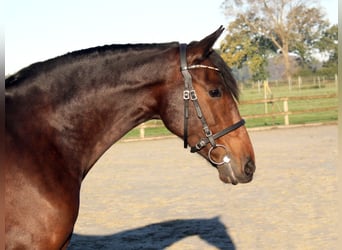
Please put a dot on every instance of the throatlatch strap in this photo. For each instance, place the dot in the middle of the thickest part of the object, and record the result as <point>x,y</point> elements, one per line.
<point>186,93</point>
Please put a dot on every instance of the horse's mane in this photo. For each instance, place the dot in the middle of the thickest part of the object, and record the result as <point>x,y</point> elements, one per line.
<point>36,68</point>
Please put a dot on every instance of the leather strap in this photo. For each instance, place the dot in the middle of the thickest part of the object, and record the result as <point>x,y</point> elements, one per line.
<point>186,94</point>
<point>190,93</point>
<point>204,141</point>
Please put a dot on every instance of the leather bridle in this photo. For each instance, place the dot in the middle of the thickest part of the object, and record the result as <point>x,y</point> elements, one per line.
<point>190,94</point>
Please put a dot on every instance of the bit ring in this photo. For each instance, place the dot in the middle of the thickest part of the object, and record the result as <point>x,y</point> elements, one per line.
<point>225,159</point>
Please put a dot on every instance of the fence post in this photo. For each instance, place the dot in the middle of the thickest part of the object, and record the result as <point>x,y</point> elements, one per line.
<point>265,96</point>
<point>142,131</point>
<point>286,109</point>
<point>289,80</point>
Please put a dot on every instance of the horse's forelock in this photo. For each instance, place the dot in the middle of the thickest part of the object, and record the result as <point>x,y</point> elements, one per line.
<point>229,81</point>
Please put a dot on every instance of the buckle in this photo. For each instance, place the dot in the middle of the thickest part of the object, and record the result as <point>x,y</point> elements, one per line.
<point>207,131</point>
<point>193,95</point>
<point>186,94</point>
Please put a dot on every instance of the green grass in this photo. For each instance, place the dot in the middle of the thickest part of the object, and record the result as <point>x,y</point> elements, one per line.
<point>149,132</point>
<point>294,105</point>
<point>158,130</point>
<point>280,90</point>
<point>293,119</point>
<point>283,91</point>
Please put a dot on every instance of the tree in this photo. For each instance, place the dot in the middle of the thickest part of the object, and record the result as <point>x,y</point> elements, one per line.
<point>328,45</point>
<point>291,25</point>
<point>242,46</point>
<point>325,50</point>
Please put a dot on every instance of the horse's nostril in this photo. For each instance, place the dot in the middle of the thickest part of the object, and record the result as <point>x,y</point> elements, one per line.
<point>249,168</point>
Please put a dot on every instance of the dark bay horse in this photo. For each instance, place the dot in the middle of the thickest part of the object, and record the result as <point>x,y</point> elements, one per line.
<point>64,113</point>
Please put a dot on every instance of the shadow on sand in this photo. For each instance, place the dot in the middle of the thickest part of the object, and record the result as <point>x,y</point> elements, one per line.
<point>158,236</point>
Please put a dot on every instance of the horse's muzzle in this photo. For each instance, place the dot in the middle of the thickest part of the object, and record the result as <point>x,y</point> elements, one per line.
<point>228,175</point>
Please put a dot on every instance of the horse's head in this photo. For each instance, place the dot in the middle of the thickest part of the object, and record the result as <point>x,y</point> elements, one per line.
<point>209,120</point>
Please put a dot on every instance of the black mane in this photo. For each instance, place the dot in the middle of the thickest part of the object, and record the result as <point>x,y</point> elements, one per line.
<point>44,66</point>
<point>36,68</point>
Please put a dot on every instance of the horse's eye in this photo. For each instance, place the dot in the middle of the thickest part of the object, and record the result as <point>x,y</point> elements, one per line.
<point>215,93</point>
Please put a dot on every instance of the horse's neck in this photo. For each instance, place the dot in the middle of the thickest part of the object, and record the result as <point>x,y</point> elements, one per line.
<point>85,116</point>
<point>102,115</point>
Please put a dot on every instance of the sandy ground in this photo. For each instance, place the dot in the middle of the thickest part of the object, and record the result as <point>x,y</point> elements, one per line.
<point>156,195</point>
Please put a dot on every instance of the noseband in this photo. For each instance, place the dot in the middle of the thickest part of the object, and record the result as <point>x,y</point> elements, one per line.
<point>190,94</point>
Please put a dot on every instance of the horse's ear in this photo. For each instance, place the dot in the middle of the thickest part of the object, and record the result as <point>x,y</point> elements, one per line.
<point>198,51</point>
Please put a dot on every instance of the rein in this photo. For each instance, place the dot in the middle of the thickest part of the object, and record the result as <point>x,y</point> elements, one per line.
<point>189,93</point>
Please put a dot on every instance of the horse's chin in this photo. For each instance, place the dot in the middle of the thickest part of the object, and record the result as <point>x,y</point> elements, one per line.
<point>226,174</point>
<point>228,180</point>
